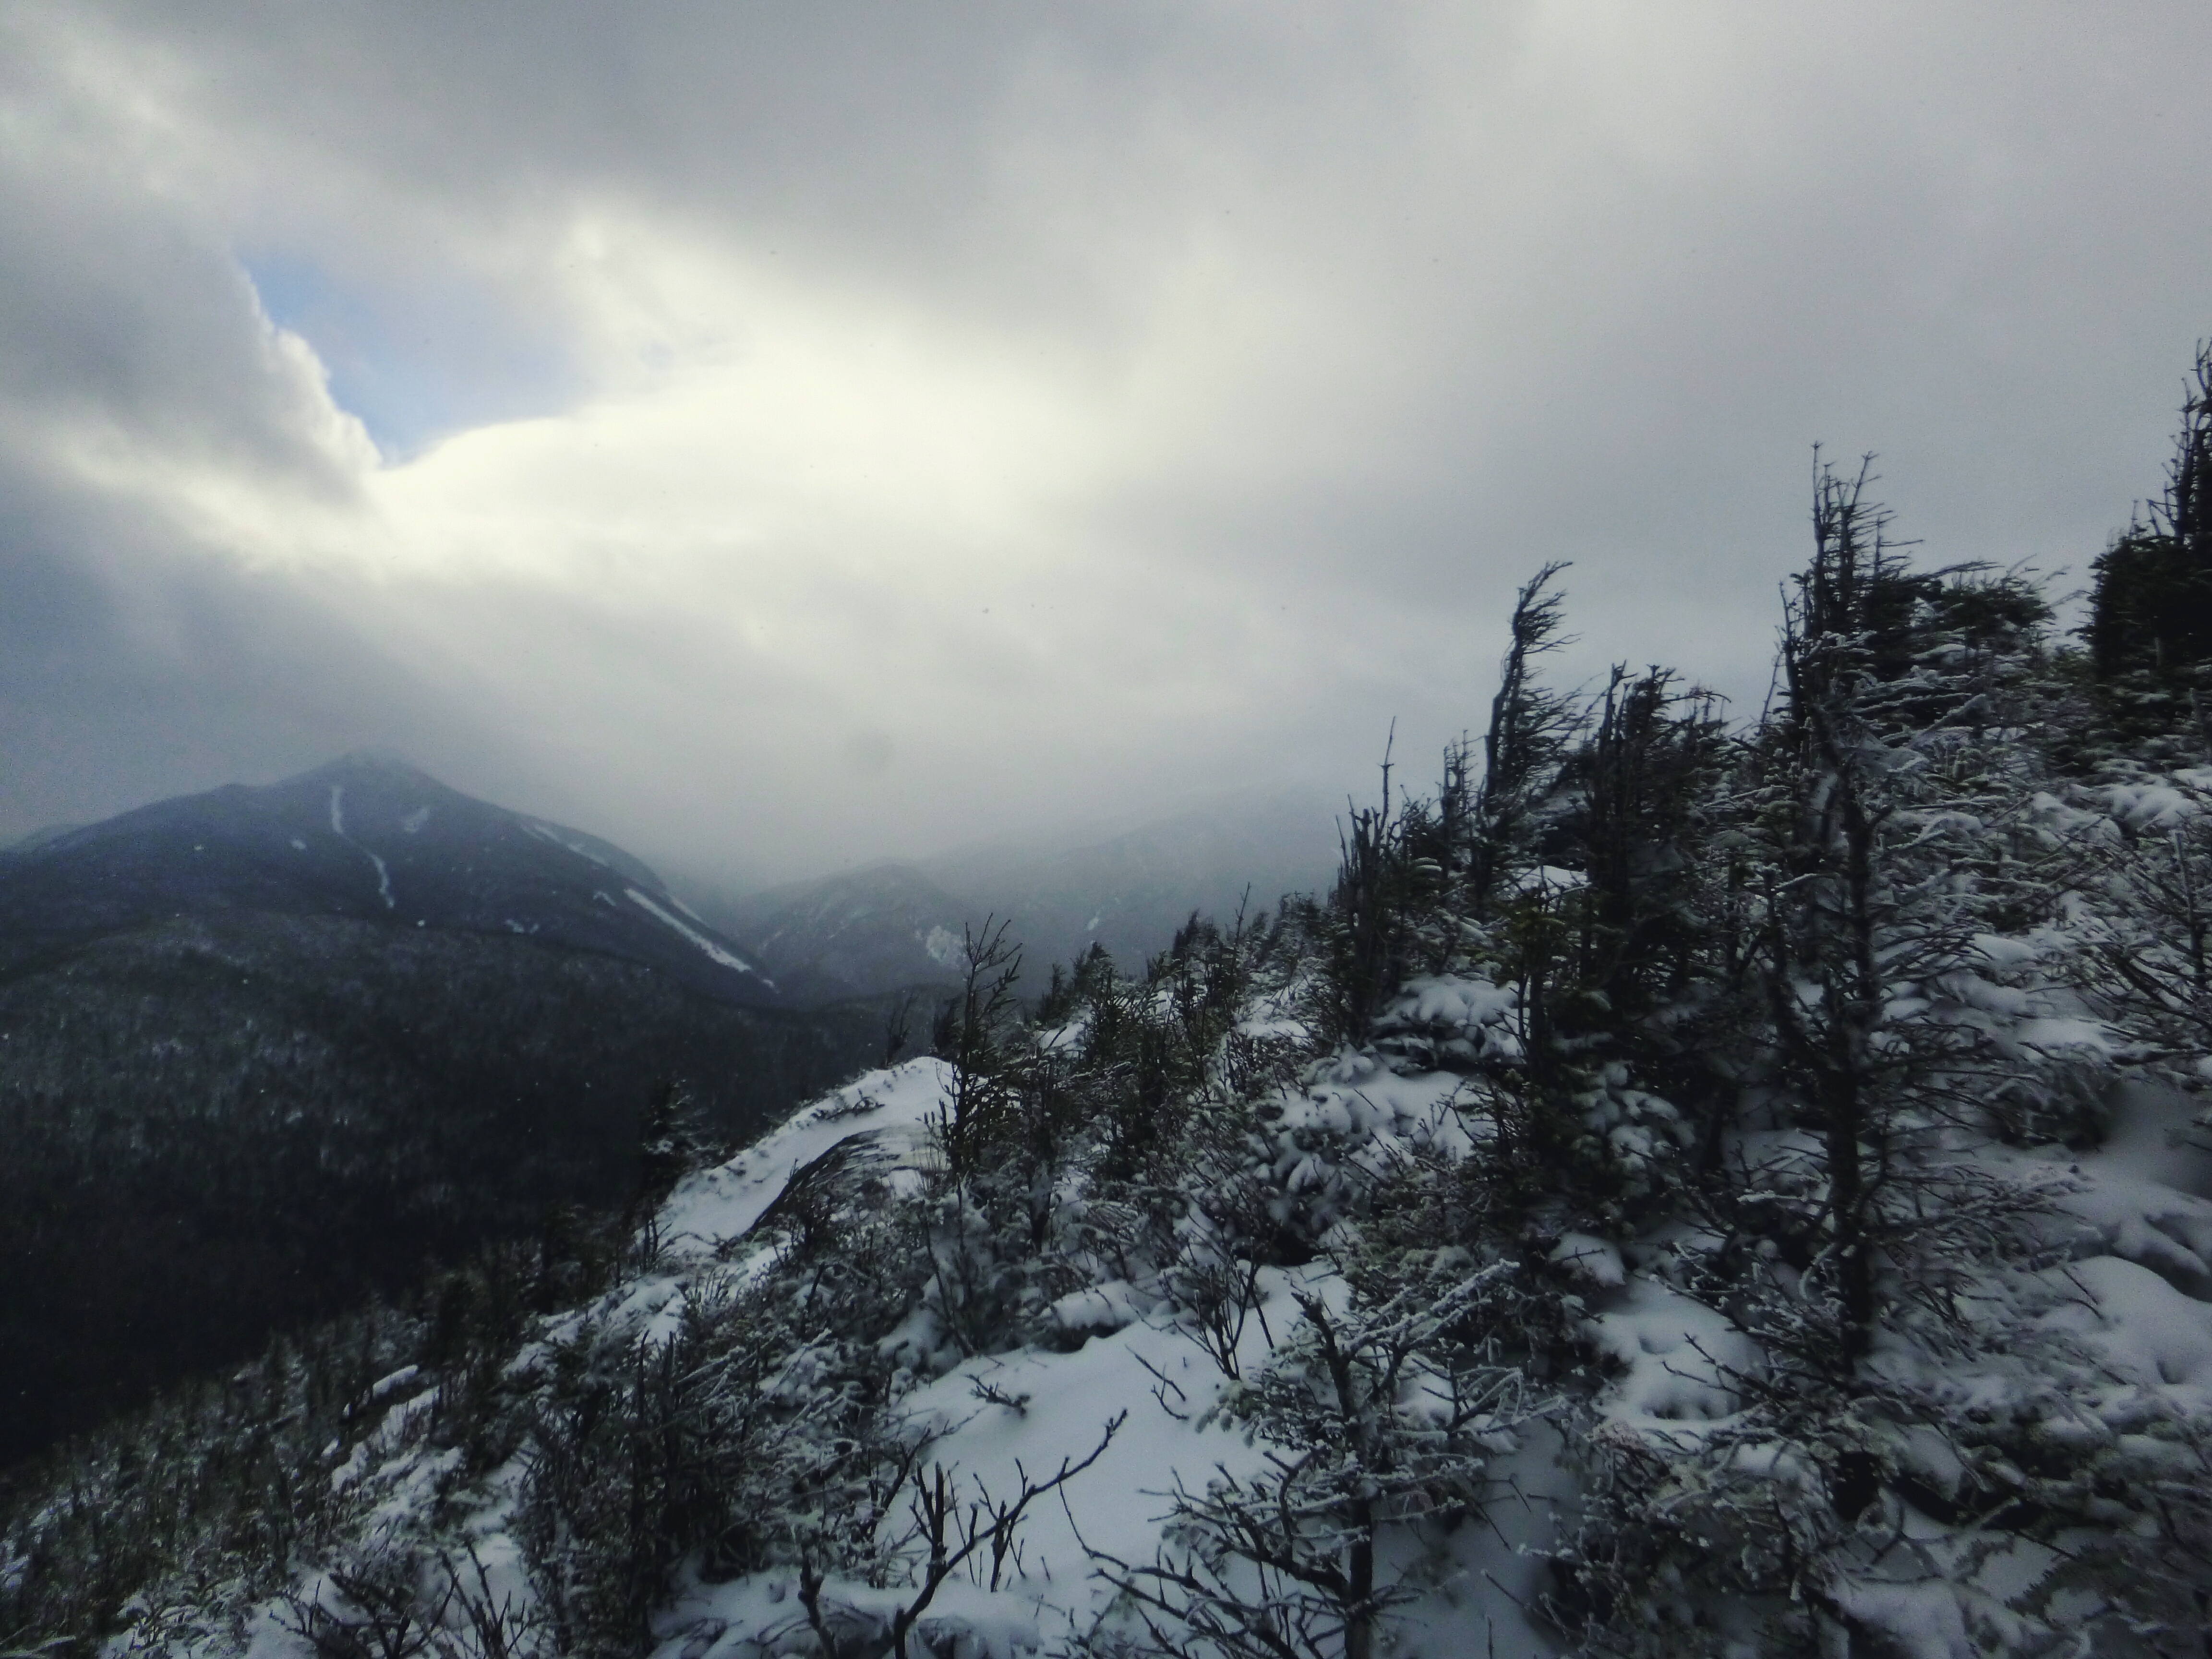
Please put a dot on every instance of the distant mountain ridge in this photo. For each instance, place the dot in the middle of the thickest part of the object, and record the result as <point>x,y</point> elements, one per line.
<point>885,927</point>
<point>368,838</point>
<point>897,925</point>
<point>38,837</point>
<point>264,1050</point>
<point>1129,893</point>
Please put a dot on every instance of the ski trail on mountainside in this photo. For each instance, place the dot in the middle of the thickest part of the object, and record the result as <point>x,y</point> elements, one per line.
<point>337,828</point>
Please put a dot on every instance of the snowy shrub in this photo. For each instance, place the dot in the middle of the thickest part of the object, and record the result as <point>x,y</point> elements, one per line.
<point>2134,1522</point>
<point>392,1601</point>
<point>1381,1417</point>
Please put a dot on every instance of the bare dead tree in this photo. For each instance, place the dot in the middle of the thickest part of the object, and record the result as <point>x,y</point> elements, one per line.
<point>954,1535</point>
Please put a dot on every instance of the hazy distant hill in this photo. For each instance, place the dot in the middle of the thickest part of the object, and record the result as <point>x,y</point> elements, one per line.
<point>263,1051</point>
<point>1130,892</point>
<point>894,925</point>
<point>883,928</point>
<point>38,838</point>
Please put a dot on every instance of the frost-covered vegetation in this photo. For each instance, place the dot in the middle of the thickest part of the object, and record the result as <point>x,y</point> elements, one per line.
<point>1692,1187</point>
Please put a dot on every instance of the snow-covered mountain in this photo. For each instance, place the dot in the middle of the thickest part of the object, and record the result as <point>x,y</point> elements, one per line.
<point>266,1051</point>
<point>370,839</point>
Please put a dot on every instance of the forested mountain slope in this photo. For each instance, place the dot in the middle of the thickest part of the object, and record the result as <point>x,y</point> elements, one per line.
<point>1689,1189</point>
<point>239,1089</point>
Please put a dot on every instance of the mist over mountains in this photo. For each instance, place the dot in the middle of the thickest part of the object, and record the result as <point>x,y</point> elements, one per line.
<point>1687,1190</point>
<point>900,923</point>
<point>699,953</point>
<point>1668,1171</point>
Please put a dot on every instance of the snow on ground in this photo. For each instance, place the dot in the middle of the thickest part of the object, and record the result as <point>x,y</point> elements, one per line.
<point>1360,1101</point>
<point>1672,1352</point>
<point>552,833</point>
<point>894,1106</point>
<point>2135,1295</point>
<point>383,881</point>
<point>1000,1419</point>
<point>1063,1404</point>
<point>2154,1136</point>
<point>2138,1291</point>
<point>2142,1198</point>
<point>1163,1387</point>
<point>2145,1330</point>
<point>2152,806</point>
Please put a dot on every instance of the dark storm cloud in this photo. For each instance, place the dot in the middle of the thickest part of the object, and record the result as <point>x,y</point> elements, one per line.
<point>815,432</point>
<point>126,330</point>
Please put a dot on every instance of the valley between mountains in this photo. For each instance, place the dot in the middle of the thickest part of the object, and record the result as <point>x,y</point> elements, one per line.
<point>267,1052</point>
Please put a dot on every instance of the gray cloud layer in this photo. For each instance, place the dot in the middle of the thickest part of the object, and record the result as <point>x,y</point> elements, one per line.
<point>795,435</point>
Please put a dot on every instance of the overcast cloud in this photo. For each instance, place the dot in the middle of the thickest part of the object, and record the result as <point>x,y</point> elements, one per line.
<point>779,436</point>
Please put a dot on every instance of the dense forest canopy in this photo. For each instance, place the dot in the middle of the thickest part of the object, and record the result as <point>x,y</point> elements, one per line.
<point>220,1127</point>
<point>1740,1144</point>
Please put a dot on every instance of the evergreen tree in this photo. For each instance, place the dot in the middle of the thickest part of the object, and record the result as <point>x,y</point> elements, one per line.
<point>2150,619</point>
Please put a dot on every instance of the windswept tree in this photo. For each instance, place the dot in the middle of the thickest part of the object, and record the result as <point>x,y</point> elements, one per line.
<point>1904,890</point>
<point>1419,879</point>
<point>1532,726</point>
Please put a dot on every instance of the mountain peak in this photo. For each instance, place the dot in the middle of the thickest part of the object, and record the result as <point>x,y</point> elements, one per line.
<point>372,837</point>
<point>382,764</point>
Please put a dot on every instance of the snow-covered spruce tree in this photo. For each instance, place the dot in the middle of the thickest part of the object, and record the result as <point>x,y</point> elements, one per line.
<point>1108,1140</point>
<point>1645,815</point>
<point>1628,965</point>
<point>2154,936</point>
<point>2151,638</point>
<point>1018,1128</point>
<point>1383,1410</point>
<point>1569,934</point>
<point>1913,973</point>
<point>1532,728</point>
<point>976,1283</point>
<point>674,1142</point>
<point>1387,1398</point>
<point>976,1029</point>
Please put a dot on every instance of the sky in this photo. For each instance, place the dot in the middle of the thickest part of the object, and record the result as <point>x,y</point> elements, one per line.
<point>780,436</point>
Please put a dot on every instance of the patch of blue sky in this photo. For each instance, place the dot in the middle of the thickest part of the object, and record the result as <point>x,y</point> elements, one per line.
<point>414,365</point>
